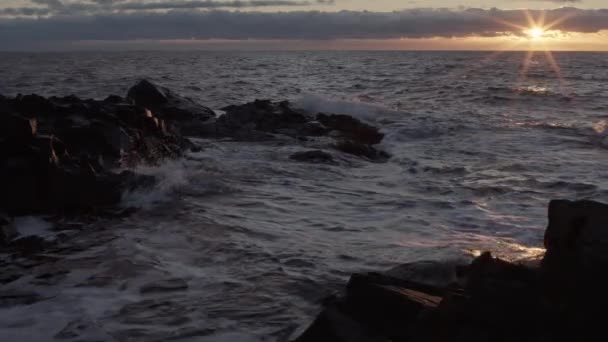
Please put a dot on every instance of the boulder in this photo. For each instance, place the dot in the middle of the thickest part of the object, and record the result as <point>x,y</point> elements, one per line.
<point>573,269</point>
<point>351,128</point>
<point>17,129</point>
<point>362,150</point>
<point>263,116</point>
<point>314,156</point>
<point>181,114</point>
<point>7,230</point>
<point>33,105</point>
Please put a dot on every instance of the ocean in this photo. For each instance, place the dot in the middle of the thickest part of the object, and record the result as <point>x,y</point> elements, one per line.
<point>239,243</point>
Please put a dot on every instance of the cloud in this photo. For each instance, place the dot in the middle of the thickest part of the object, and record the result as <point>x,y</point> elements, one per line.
<point>59,7</point>
<point>559,1</point>
<point>220,24</point>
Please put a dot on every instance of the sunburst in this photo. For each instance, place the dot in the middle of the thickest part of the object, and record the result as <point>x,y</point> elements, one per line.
<point>536,34</point>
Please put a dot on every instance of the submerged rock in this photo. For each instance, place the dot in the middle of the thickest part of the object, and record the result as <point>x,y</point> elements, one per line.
<point>362,150</point>
<point>351,128</point>
<point>315,156</point>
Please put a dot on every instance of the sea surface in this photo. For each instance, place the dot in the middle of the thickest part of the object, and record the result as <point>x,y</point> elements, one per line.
<point>239,243</point>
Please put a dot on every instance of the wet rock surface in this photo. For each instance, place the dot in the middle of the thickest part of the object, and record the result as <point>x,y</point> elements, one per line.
<point>489,300</point>
<point>59,153</point>
<point>66,156</point>
<point>314,156</point>
<point>182,114</point>
<point>263,120</point>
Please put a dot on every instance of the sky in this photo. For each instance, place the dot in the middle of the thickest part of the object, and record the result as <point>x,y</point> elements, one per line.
<point>304,24</point>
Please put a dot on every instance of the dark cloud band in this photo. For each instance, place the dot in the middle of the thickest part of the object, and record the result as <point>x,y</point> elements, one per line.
<point>57,7</point>
<point>180,24</point>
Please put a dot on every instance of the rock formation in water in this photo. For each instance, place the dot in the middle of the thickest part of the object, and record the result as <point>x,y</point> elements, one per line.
<point>59,153</point>
<point>491,300</point>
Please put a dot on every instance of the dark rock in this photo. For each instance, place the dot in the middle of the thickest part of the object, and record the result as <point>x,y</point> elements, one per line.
<point>362,150</point>
<point>33,105</point>
<point>351,128</point>
<point>573,268</point>
<point>29,244</point>
<point>16,129</point>
<point>179,113</point>
<point>149,95</point>
<point>7,230</point>
<point>10,298</point>
<point>315,156</point>
<point>332,325</point>
<point>314,129</point>
<point>58,153</point>
<point>115,99</point>
<point>262,116</point>
<point>168,285</point>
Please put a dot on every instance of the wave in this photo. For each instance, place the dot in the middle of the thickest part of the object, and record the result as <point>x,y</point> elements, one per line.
<point>370,112</point>
<point>169,176</point>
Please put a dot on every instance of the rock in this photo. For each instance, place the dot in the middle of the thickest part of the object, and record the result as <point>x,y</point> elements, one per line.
<point>351,128</point>
<point>576,238</point>
<point>33,105</point>
<point>262,116</point>
<point>362,150</point>
<point>163,286</point>
<point>13,297</point>
<point>7,230</point>
<point>28,245</point>
<point>17,129</point>
<point>58,153</point>
<point>492,300</point>
<point>573,268</point>
<point>148,95</point>
<point>332,325</point>
<point>180,113</point>
<point>314,156</point>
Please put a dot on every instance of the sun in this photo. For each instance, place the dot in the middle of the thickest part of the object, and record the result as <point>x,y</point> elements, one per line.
<point>535,33</point>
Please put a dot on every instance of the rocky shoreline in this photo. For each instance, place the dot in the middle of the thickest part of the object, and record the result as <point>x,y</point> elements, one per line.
<point>68,157</point>
<point>65,156</point>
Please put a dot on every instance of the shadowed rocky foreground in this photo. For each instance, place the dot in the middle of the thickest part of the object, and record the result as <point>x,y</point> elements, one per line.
<point>68,157</point>
<point>561,299</point>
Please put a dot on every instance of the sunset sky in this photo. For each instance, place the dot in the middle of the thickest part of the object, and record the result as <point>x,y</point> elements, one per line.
<point>306,24</point>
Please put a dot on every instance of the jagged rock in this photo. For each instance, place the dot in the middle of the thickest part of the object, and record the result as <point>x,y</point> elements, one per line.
<point>351,128</point>
<point>260,119</point>
<point>262,116</point>
<point>58,153</point>
<point>315,156</point>
<point>181,113</point>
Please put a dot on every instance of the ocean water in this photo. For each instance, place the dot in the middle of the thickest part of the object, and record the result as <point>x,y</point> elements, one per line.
<point>238,243</point>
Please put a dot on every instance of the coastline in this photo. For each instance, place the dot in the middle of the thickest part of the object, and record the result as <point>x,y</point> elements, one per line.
<point>152,124</point>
